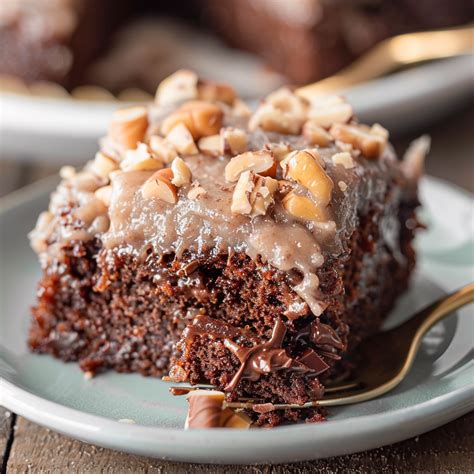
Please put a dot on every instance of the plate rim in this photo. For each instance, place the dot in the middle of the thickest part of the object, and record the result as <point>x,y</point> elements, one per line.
<point>160,442</point>
<point>69,122</point>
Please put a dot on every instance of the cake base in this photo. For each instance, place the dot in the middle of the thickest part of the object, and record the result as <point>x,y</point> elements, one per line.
<point>114,310</point>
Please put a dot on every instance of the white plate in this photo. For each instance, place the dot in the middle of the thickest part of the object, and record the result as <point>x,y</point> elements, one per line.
<point>28,124</point>
<point>438,389</point>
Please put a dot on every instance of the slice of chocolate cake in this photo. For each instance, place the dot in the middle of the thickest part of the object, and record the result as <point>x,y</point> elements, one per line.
<point>248,251</point>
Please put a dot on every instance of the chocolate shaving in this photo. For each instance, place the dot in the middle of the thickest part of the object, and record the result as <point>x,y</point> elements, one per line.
<point>263,407</point>
<point>329,355</point>
<point>190,267</point>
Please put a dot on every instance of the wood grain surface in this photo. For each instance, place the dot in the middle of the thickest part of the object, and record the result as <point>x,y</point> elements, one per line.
<point>36,449</point>
<point>26,447</point>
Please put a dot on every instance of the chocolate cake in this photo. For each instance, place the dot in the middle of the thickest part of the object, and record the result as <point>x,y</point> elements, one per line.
<point>248,251</point>
<point>310,39</point>
<point>57,40</point>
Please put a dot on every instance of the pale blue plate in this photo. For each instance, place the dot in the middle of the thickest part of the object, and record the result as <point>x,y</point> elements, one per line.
<point>438,389</point>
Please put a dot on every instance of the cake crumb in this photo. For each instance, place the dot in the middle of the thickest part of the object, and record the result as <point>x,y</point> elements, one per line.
<point>88,375</point>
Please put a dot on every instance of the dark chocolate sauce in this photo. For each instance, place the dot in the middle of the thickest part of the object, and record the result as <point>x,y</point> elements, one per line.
<point>270,357</point>
<point>324,335</point>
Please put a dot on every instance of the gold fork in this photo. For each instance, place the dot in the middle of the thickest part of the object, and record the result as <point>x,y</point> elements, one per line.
<point>386,357</point>
<point>394,53</point>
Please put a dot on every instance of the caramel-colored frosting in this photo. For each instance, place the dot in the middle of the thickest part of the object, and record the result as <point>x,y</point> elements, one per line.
<point>200,218</point>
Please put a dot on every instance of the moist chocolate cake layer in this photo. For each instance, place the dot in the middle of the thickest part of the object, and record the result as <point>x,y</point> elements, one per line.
<point>107,312</point>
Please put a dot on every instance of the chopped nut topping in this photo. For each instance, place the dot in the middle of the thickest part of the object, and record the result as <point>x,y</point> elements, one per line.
<point>414,158</point>
<point>128,126</point>
<point>280,150</point>
<point>344,159</point>
<point>303,207</point>
<point>201,118</point>
<point>181,172</point>
<point>88,211</point>
<point>211,145</point>
<point>181,138</point>
<point>253,194</point>
<point>304,168</point>
<point>104,194</point>
<point>347,147</point>
<point>261,162</point>
<point>330,110</point>
<point>241,109</point>
<point>67,172</point>
<point>86,181</point>
<point>233,140</point>
<point>282,111</point>
<point>216,92</point>
<point>159,186</point>
<point>40,234</point>
<point>103,165</point>
<point>140,159</point>
<point>163,149</point>
<point>196,191</point>
<point>315,134</point>
<point>342,186</point>
<point>182,85</point>
<point>370,145</point>
<point>377,129</point>
<point>186,85</point>
<point>284,186</point>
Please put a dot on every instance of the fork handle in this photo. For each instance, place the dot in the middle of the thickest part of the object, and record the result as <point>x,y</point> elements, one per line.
<point>436,311</point>
<point>392,53</point>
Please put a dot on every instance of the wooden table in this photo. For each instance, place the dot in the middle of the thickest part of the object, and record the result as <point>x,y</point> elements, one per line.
<point>26,447</point>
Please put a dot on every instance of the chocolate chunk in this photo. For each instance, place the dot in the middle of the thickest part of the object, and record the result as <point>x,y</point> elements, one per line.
<point>312,360</point>
<point>205,410</point>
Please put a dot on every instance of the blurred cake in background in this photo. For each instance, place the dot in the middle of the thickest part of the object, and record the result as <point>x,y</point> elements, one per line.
<point>74,42</point>
<point>166,44</point>
<point>307,40</point>
<point>54,40</point>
